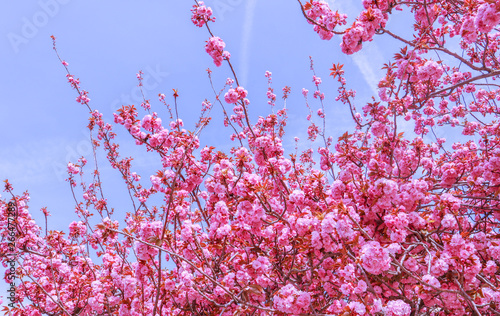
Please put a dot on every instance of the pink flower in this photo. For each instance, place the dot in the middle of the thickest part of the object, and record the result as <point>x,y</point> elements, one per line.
<point>411,264</point>
<point>316,80</point>
<point>297,197</point>
<point>361,288</point>
<point>375,259</point>
<point>346,289</point>
<point>83,97</point>
<point>431,70</point>
<point>399,221</point>
<point>491,267</point>
<point>146,122</point>
<point>382,93</point>
<point>362,30</point>
<point>73,169</point>
<point>398,308</point>
<point>201,14</point>
<point>357,307</point>
<point>344,228</point>
<point>316,240</point>
<point>440,266</point>
<point>449,176</point>
<point>381,4</point>
<point>429,279</point>
<point>378,129</point>
<point>494,252</point>
<point>77,229</point>
<point>328,223</point>
<point>449,221</point>
<point>372,19</point>
<point>242,93</point>
<point>215,48</point>
<point>352,41</point>
<point>223,231</point>
<point>377,306</point>
<point>262,264</point>
<point>233,95</point>
<point>487,17</point>
<point>157,182</point>
<point>425,14</point>
<point>326,20</point>
<point>290,300</point>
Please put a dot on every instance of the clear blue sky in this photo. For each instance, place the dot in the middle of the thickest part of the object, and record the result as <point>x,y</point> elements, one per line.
<point>107,42</point>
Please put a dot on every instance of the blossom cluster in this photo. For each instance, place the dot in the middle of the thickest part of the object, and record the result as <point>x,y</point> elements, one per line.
<point>215,48</point>
<point>201,14</point>
<point>378,222</point>
<point>234,95</point>
<point>362,30</point>
<point>324,19</point>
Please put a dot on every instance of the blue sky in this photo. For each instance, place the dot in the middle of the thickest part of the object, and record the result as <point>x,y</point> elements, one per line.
<point>107,42</point>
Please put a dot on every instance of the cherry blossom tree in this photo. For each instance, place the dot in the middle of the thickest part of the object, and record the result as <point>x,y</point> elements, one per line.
<point>378,222</point>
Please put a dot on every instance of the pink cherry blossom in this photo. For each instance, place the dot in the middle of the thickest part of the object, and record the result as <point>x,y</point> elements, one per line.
<point>291,300</point>
<point>201,14</point>
<point>430,71</point>
<point>375,259</point>
<point>397,215</point>
<point>215,48</point>
<point>324,18</point>
<point>398,308</point>
<point>488,16</point>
